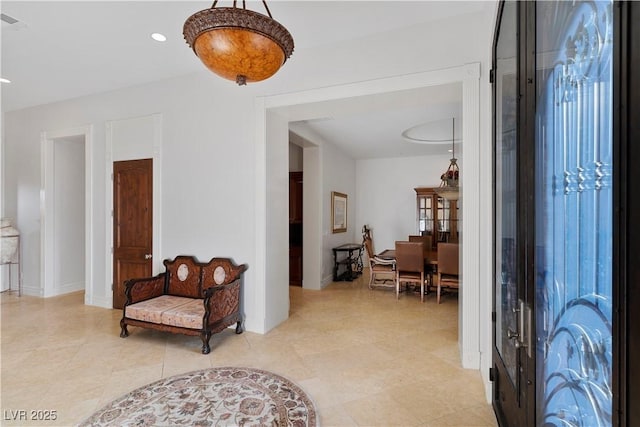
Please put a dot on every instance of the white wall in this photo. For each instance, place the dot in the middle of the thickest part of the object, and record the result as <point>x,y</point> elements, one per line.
<point>295,158</point>
<point>69,215</point>
<point>335,170</point>
<point>386,200</point>
<point>276,305</point>
<point>313,214</point>
<point>200,173</point>
<point>213,171</point>
<point>338,174</point>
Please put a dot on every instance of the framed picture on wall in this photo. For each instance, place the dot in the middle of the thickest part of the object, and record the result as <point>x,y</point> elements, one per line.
<point>338,212</point>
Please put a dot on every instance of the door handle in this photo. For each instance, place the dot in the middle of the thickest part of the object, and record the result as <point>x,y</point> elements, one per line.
<point>523,335</point>
<point>148,256</point>
<point>526,328</point>
<point>513,335</point>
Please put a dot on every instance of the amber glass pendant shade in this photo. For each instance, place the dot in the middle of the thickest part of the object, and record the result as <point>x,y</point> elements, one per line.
<point>238,44</point>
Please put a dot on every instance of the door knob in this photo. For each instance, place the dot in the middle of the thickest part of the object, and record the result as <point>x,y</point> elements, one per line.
<point>148,256</point>
<point>512,335</point>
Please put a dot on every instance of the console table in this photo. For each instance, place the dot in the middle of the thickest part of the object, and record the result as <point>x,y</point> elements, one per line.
<point>352,262</point>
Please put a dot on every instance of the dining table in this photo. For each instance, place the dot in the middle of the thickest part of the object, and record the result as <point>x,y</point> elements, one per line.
<point>430,257</point>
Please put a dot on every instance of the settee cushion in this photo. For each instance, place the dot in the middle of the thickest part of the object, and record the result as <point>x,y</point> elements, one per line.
<point>151,310</point>
<point>187,315</point>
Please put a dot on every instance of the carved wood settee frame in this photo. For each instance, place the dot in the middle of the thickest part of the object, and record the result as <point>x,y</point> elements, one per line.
<point>190,298</point>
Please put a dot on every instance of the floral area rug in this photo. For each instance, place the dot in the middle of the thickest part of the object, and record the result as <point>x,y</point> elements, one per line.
<point>225,396</point>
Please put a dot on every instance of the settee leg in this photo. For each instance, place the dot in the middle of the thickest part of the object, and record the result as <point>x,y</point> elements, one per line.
<point>123,330</point>
<point>205,337</point>
<point>239,328</point>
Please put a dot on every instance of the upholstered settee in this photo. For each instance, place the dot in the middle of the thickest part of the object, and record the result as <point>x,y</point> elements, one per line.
<point>190,297</point>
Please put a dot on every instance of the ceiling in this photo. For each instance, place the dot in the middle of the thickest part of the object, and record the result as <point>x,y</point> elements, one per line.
<point>371,126</point>
<point>62,50</point>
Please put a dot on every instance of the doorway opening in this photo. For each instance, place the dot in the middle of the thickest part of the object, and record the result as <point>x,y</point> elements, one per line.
<point>66,219</point>
<point>273,117</point>
<point>129,141</point>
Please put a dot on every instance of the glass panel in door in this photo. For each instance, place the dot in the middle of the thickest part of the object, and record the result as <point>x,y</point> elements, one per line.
<point>506,170</point>
<point>510,360</point>
<point>444,216</point>
<point>425,215</point>
<point>574,222</point>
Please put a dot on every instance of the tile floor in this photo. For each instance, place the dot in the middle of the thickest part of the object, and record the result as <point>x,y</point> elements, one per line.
<point>365,358</point>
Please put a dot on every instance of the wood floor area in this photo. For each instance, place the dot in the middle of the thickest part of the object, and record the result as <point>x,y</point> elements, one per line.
<point>365,358</point>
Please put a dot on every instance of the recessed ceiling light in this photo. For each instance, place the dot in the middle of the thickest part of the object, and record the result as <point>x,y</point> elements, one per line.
<point>3,80</point>
<point>159,37</point>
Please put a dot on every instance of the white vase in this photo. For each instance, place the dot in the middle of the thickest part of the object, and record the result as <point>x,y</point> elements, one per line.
<point>9,236</point>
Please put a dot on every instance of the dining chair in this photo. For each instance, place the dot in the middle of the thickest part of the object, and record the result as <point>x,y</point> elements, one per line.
<point>410,265</point>
<point>429,269</point>
<point>378,266</point>
<point>448,267</point>
<point>426,239</point>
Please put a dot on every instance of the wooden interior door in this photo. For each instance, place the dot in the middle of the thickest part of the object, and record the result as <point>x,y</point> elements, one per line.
<point>295,228</point>
<point>132,223</point>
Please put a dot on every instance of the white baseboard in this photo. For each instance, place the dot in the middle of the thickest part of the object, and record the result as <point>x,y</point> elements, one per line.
<point>67,288</point>
<point>34,291</point>
<point>104,302</point>
<point>326,280</point>
<point>252,325</point>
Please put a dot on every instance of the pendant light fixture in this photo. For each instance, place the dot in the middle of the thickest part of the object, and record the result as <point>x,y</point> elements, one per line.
<point>449,180</point>
<point>237,43</point>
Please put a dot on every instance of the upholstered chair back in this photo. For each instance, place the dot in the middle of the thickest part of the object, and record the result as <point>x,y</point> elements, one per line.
<point>426,240</point>
<point>409,256</point>
<point>448,258</point>
<point>368,245</point>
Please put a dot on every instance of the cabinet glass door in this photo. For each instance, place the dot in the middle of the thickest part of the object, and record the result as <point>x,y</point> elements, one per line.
<point>425,215</point>
<point>443,219</point>
<point>574,213</point>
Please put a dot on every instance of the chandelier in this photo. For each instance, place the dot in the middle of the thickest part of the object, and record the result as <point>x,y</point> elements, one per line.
<point>449,180</point>
<point>237,43</point>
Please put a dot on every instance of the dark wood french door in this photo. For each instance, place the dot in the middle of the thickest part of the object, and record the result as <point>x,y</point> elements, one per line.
<point>513,367</point>
<point>132,223</point>
<point>564,76</point>
<point>627,375</point>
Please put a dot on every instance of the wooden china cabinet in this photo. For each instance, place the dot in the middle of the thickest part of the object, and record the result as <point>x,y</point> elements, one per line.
<point>436,216</point>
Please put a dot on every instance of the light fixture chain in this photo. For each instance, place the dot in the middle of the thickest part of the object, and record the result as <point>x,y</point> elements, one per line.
<point>244,5</point>
<point>264,2</point>
<point>453,141</point>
